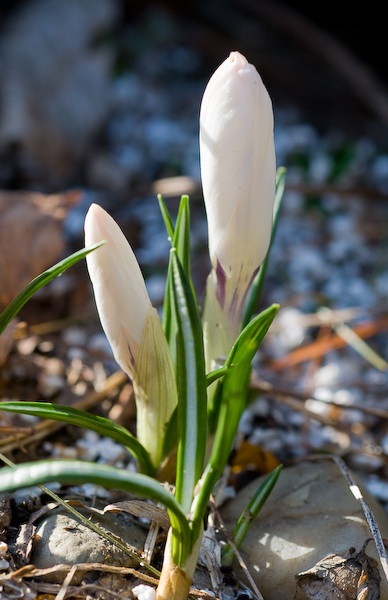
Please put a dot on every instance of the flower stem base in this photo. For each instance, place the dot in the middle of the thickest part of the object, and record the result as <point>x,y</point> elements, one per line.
<point>174,584</point>
<point>175,581</point>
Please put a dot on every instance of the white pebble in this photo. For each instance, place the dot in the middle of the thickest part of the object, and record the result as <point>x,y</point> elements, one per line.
<point>328,375</point>
<point>108,450</point>
<point>144,592</point>
<point>291,332</point>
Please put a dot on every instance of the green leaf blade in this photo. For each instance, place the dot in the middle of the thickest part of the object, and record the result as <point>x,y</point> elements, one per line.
<point>72,472</point>
<point>191,381</point>
<point>244,349</point>
<point>80,418</point>
<point>233,397</point>
<point>166,217</point>
<point>249,515</point>
<point>180,239</point>
<point>20,300</point>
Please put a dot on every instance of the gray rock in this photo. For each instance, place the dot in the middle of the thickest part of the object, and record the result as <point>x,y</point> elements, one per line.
<point>62,539</point>
<point>310,515</point>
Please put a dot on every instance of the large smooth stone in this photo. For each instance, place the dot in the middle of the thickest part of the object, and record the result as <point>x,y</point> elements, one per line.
<point>62,539</point>
<point>310,514</point>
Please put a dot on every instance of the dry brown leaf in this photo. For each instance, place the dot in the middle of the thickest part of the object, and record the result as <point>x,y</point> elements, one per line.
<point>31,238</point>
<point>31,241</point>
<point>14,587</point>
<point>5,511</point>
<point>23,544</point>
<point>343,577</point>
<point>138,508</point>
<point>252,457</point>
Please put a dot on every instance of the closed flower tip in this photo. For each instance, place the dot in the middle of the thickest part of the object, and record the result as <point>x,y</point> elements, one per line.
<point>238,168</point>
<point>121,296</point>
<point>238,172</point>
<point>132,326</point>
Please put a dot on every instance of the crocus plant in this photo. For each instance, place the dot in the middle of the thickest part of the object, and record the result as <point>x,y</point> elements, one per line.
<point>238,173</point>
<point>172,363</point>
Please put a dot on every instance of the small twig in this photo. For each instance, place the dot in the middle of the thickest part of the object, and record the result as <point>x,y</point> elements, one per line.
<point>33,572</point>
<point>240,559</point>
<point>297,405</point>
<point>211,553</point>
<point>306,320</point>
<point>81,591</point>
<point>149,544</point>
<point>66,583</point>
<point>316,349</point>
<point>202,594</point>
<point>91,525</point>
<point>47,427</point>
<point>14,429</point>
<point>60,324</point>
<point>352,339</point>
<point>272,391</point>
<point>152,535</point>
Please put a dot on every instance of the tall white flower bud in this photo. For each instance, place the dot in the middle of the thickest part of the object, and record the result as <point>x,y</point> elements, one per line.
<point>132,326</point>
<point>238,172</point>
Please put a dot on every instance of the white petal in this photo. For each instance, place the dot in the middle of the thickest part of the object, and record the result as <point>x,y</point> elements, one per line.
<point>238,167</point>
<point>119,288</point>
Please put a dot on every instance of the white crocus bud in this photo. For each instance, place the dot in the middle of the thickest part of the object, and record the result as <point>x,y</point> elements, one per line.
<point>238,171</point>
<point>132,326</point>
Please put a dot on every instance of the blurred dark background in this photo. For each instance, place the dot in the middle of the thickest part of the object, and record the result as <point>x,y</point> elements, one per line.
<point>290,42</point>
<point>105,94</point>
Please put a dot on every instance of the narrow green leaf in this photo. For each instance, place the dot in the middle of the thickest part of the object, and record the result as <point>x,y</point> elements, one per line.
<point>233,400</point>
<point>167,317</point>
<point>254,293</point>
<point>250,514</point>
<point>73,472</point>
<point>87,522</point>
<point>217,374</point>
<point>166,217</point>
<point>244,348</point>
<point>17,303</point>
<point>191,383</point>
<point>171,435</point>
<point>250,338</point>
<point>80,418</point>
<point>166,320</point>
<point>181,241</point>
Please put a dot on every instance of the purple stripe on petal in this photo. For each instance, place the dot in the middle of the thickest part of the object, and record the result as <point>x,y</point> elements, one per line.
<point>131,355</point>
<point>233,304</point>
<point>221,281</point>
